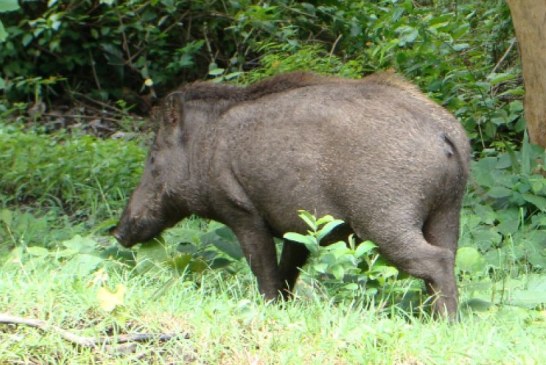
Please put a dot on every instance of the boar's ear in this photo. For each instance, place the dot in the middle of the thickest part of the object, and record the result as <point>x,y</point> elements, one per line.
<point>172,109</point>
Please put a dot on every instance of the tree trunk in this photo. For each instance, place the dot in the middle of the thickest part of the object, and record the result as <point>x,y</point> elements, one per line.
<point>529,19</point>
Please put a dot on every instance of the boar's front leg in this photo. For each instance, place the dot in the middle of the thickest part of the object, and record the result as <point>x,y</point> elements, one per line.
<point>259,249</point>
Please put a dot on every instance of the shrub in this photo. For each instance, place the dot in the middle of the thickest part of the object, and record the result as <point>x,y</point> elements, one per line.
<point>463,54</point>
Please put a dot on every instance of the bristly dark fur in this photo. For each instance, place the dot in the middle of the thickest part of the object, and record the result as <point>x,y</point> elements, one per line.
<point>209,91</point>
<point>280,83</point>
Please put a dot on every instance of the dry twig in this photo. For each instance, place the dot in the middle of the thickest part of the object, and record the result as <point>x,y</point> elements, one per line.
<point>113,344</point>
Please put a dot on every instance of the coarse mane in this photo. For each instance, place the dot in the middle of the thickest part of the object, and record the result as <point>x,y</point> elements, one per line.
<point>392,79</point>
<point>209,91</point>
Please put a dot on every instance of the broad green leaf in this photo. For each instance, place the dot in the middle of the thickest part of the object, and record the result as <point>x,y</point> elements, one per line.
<point>537,201</point>
<point>328,227</point>
<point>220,263</point>
<point>338,271</point>
<point>328,258</point>
<point>232,249</point>
<point>224,239</point>
<point>497,78</point>
<point>504,161</point>
<point>364,248</point>
<point>6,216</point>
<point>320,267</point>
<point>198,266</point>
<point>297,237</point>
<point>81,244</point>
<point>323,220</point>
<point>38,251</point>
<point>469,260</point>
<point>406,34</point>
<point>516,106</point>
<point>226,233</point>
<point>537,185</point>
<point>179,262</point>
<point>351,286</point>
<point>151,254</point>
<point>309,219</point>
<point>385,271</point>
<point>82,264</point>
<point>8,5</point>
<point>216,72</point>
<point>500,192</point>
<point>3,37</point>
<point>339,248</point>
<point>485,214</point>
<point>477,305</point>
<point>66,253</point>
<point>508,227</point>
<point>535,247</point>
<point>481,171</point>
<point>185,235</point>
<point>438,23</point>
<point>530,295</point>
<point>495,258</point>
<point>461,46</point>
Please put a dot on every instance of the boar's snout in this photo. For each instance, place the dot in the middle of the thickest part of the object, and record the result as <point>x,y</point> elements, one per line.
<point>141,225</point>
<point>120,236</point>
<point>129,232</point>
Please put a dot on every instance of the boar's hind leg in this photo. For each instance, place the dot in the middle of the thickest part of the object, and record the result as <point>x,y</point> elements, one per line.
<point>434,264</point>
<point>293,257</point>
<point>442,230</point>
<point>259,249</point>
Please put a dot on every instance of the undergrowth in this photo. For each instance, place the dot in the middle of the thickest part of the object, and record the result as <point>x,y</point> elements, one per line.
<point>462,53</point>
<point>82,176</point>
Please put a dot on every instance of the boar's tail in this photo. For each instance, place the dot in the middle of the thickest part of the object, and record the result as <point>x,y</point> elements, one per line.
<point>461,153</point>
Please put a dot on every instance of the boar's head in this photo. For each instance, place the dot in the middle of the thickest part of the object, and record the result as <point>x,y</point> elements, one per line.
<point>158,201</point>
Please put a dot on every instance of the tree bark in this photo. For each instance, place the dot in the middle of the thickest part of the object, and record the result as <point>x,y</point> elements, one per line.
<point>529,19</point>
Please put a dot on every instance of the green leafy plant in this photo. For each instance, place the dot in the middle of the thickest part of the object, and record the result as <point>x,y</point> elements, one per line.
<point>506,216</point>
<point>76,257</point>
<point>192,247</point>
<point>503,241</point>
<point>6,6</point>
<point>344,267</point>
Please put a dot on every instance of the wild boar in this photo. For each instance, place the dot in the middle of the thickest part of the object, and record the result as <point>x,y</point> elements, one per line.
<point>375,152</point>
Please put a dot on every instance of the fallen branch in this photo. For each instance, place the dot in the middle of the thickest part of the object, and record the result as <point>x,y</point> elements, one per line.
<point>110,343</point>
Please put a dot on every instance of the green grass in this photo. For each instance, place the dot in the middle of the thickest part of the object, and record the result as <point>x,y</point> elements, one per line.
<point>228,323</point>
<point>82,176</point>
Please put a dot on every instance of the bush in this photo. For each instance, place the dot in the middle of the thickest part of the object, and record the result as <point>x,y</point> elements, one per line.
<point>80,175</point>
<point>345,267</point>
<point>463,54</point>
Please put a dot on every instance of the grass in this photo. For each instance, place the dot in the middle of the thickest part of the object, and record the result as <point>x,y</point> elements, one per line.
<point>228,323</point>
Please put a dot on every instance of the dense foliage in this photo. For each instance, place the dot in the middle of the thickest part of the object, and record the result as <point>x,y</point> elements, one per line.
<point>463,54</point>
